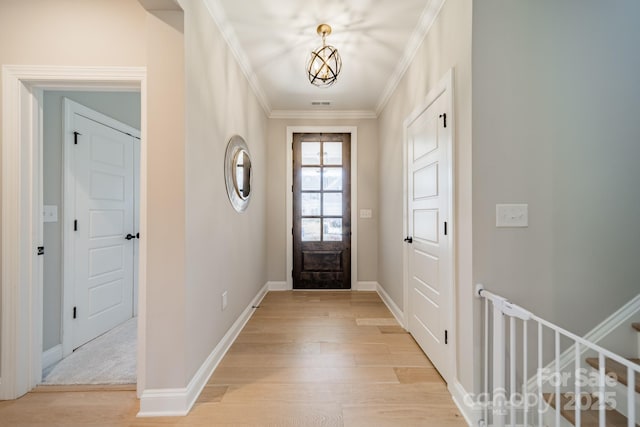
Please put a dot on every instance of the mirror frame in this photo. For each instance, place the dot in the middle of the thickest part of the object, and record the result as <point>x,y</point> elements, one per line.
<point>235,147</point>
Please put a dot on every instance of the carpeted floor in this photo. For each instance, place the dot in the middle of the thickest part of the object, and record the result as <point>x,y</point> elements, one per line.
<point>108,359</point>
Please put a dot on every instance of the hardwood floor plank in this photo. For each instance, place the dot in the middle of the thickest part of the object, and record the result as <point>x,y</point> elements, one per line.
<point>405,359</point>
<point>402,415</point>
<point>380,321</point>
<point>392,330</point>
<point>304,375</point>
<point>288,360</point>
<point>417,375</point>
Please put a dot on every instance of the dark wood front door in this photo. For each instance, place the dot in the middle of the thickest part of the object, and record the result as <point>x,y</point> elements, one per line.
<point>321,211</point>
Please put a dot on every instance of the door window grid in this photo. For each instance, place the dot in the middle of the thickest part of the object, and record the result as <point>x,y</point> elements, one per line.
<point>321,191</point>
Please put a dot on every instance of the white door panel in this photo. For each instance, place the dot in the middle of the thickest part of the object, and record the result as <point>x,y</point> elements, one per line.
<point>425,312</point>
<point>425,225</point>
<point>426,270</point>
<point>101,174</point>
<point>425,182</point>
<point>429,260</point>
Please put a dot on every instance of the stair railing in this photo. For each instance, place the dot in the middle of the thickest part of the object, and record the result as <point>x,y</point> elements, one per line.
<point>522,401</point>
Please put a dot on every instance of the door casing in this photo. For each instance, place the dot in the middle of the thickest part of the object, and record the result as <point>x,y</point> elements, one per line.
<point>444,85</point>
<point>353,130</point>
<point>22,281</point>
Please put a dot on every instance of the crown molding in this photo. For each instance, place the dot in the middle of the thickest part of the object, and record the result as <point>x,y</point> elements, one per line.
<point>323,114</point>
<point>226,29</point>
<point>429,15</point>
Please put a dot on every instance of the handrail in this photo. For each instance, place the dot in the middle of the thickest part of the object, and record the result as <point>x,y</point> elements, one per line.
<point>502,402</point>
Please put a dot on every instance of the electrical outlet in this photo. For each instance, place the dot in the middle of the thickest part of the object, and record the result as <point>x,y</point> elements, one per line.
<point>512,215</point>
<point>224,300</point>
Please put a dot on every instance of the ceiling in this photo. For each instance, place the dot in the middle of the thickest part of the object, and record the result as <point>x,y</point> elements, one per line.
<point>272,40</point>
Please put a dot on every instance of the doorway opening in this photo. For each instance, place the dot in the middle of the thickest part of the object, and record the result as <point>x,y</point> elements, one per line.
<point>91,153</point>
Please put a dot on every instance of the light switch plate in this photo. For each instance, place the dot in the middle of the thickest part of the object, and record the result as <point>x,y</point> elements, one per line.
<point>50,213</point>
<point>366,213</point>
<point>512,215</point>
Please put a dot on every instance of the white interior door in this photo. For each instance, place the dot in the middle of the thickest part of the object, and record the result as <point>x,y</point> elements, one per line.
<point>429,228</point>
<point>102,233</point>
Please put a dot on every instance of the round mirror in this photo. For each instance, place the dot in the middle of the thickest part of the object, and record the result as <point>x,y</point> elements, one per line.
<point>237,173</point>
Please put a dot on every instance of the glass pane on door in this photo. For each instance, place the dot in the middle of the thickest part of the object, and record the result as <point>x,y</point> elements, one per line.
<point>332,229</point>
<point>310,153</point>
<point>310,179</point>
<point>310,229</point>
<point>332,204</point>
<point>332,179</point>
<point>332,153</point>
<point>310,204</point>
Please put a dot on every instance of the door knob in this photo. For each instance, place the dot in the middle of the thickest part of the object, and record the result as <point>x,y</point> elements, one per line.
<point>130,236</point>
<point>408,239</point>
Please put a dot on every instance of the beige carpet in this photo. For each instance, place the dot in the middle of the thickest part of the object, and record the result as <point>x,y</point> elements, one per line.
<point>108,359</point>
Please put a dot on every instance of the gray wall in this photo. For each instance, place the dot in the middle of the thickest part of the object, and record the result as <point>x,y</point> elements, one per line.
<point>556,97</point>
<point>225,250</point>
<point>122,106</point>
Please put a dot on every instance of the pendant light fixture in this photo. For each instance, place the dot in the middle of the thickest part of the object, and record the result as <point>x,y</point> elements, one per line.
<point>325,62</point>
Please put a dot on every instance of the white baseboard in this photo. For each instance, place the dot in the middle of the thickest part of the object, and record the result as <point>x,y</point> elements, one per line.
<point>277,286</point>
<point>395,310</point>
<point>469,409</point>
<point>51,356</point>
<point>178,401</point>
<point>366,286</point>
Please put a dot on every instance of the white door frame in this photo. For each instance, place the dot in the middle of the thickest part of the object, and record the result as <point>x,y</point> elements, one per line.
<point>444,85</point>
<point>353,130</point>
<point>21,290</point>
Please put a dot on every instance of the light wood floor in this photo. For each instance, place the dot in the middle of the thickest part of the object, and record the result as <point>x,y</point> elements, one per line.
<point>304,359</point>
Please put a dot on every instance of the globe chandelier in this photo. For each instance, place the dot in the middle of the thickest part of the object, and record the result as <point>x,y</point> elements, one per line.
<point>325,62</point>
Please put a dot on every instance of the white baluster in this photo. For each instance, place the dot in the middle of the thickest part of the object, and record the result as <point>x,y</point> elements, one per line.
<point>631,391</point>
<point>578,400</point>
<point>512,371</point>
<point>601,384</point>
<point>540,397</point>
<point>498,365</point>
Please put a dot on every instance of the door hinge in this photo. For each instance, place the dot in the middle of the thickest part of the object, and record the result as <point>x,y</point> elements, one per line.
<point>292,188</point>
<point>291,273</point>
<point>446,337</point>
<point>75,137</point>
<point>75,225</point>
<point>40,250</point>
<point>445,228</point>
<point>443,116</point>
<point>292,231</point>
<point>75,312</point>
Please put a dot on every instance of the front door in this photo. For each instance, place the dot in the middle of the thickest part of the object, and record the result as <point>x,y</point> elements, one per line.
<point>101,180</point>
<point>428,223</point>
<point>321,211</point>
